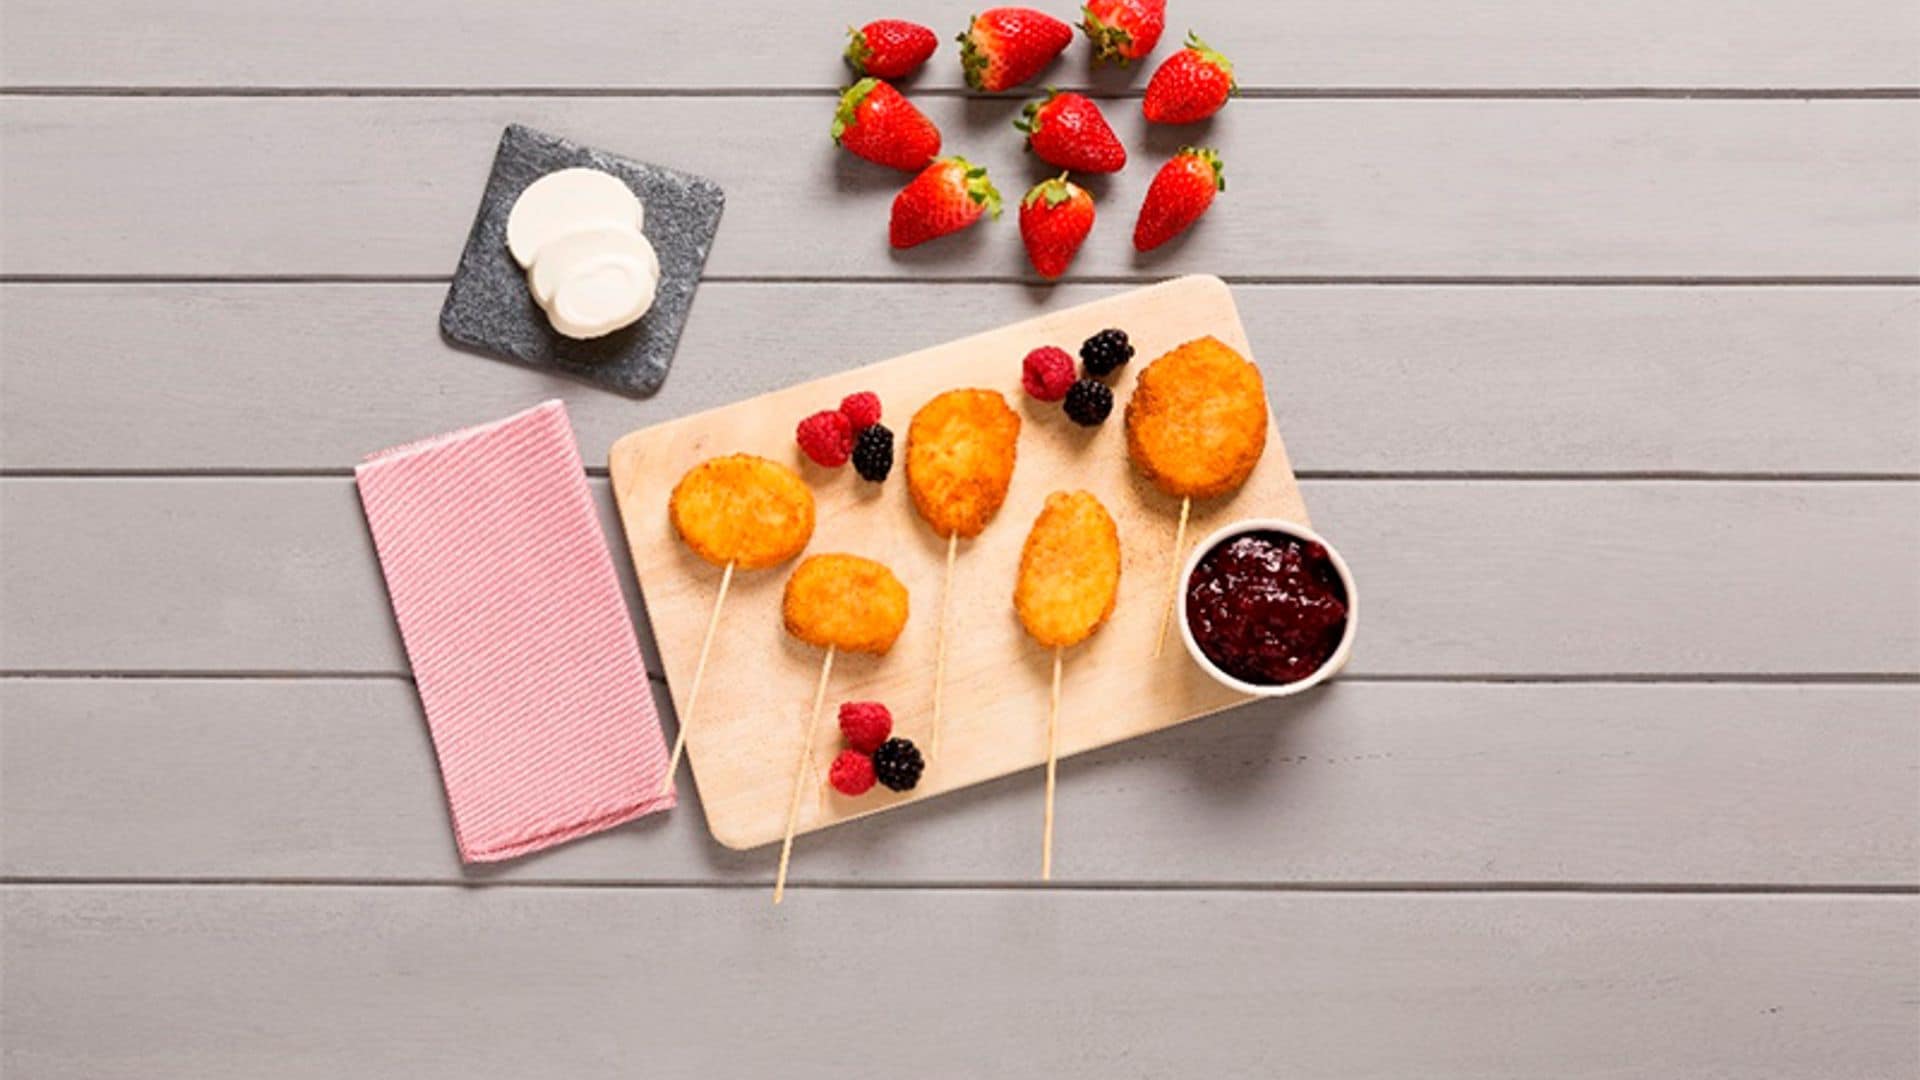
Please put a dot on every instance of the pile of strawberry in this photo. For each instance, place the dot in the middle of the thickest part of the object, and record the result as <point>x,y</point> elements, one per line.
<point>1004,48</point>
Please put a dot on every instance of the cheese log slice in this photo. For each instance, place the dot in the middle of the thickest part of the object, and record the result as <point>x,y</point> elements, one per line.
<point>579,251</point>
<point>593,283</point>
<point>569,201</point>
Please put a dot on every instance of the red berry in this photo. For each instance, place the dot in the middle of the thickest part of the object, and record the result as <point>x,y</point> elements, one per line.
<point>890,48</point>
<point>1047,373</point>
<point>865,724</point>
<point>947,196</point>
<point>1055,218</point>
<point>862,410</point>
<point>1124,30</point>
<point>1181,191</point>
<point>1190,85</point>
<point>877,123</point>
<point>826,437</point>
<point>852,773</point>
<point>1068,132</point>
<point>1004,47</point>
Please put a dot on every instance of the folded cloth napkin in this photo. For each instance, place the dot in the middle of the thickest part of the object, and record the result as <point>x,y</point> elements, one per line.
<point>522,649</point>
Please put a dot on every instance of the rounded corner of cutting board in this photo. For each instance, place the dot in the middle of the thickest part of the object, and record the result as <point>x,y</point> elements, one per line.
<point>1210,282</point>
<point>623,449</point>
<point>730,834</point>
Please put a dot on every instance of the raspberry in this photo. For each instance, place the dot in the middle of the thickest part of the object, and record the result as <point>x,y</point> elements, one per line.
<point>1105,351</point>
<point>862,410</point>
<point>852,773</point>
<point>866,724</point>
<point>873,453</point>
<point>826,437</point>
<point>1089,402</point>
<point>898,764</point>
<point>1046,373</point>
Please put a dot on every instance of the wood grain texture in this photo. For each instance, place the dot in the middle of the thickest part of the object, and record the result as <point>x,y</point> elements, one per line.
<point>1362,188</point>
<point>107,982</point>
<point>1390,379</point>
<point>796,44</point>
<point>1362,783</point>
<point>1464,578</point>
<point>997,678</point>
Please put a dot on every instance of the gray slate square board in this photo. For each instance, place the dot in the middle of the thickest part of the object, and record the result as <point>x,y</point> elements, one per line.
<point>489,307</point>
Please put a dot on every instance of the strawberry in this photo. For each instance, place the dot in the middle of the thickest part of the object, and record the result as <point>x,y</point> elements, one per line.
<point>1068,132</point>
<point>1055,217</point>
<point>1181,191</point>
<point>876,122</point>
<point>947,196</point>
<point>1190,85</point>
<point>1005,47</point>
<point>1123,30</point>
<point>889,48</point>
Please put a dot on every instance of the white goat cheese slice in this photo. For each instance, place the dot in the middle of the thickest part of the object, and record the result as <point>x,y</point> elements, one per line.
<point>569,201</point>
<point>593,283</point>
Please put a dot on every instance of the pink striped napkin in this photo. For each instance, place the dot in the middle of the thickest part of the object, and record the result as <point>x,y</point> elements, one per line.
<point>521,645</point>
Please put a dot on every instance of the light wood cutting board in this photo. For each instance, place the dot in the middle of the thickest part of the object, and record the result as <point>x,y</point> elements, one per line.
<point>754,705</point>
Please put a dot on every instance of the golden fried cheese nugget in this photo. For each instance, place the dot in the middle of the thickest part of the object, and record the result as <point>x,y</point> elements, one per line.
<point>960,453</point>
<point>1197,421</point>
<point>845,601</point>
<point>743,509</point>
<point>1069,570</point>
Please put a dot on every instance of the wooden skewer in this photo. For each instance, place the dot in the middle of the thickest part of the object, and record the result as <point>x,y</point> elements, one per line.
<point>1173,577</point>
<point>1053,761</point>
<point>699,673</point>
<point>800,775</point>
<point>940,649</point>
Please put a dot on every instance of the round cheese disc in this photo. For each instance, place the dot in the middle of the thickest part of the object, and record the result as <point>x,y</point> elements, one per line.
<point>575,251</point>
<point>593,283</point>
<point>569,201</point>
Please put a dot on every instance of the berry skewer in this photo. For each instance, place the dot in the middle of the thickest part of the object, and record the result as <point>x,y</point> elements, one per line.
<point>1069,580</point>
<point>738,512</point>
<point>961,448</point>
<point>841,603</point>
<point>1196,427</point>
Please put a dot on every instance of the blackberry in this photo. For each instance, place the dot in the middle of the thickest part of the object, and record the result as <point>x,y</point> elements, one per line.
<point>873,454</point>
<point>898,764</point>
<point>1089,403</point>
<point>1105,351</point>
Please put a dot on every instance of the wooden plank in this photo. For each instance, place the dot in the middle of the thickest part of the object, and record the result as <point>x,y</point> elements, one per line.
<point>1393,379</point>
<point>997,680</point>
<point>211,982</point>
<point>1363,783</point>
<point>1350,188</point>
<point>604,43</point>
<point>1465,578</point>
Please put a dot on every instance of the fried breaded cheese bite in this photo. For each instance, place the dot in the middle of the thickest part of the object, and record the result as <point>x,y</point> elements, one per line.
<point>960,455</point>
<point>1069,570</point>
<point>1197,420</point>
<point>846,602</point>
<point>744,510</point>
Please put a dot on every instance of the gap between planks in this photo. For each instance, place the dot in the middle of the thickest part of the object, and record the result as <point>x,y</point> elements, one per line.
<point>1285,93</point>
<point>1522,888</point>
<point>1548,281</point>
<point>1842,678</point>
<point>599,472</point>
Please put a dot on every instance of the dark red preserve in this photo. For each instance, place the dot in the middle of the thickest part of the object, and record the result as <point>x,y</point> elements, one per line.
<point>1267,608</point>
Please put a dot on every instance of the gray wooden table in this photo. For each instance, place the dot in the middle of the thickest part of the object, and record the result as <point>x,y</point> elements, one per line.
<point>1593,330</point>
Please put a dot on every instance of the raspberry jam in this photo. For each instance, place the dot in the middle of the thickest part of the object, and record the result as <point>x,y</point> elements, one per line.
<point>1267,608</point>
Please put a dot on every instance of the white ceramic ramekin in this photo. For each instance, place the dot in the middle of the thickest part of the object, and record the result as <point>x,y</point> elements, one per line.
<point>1325,671</point>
